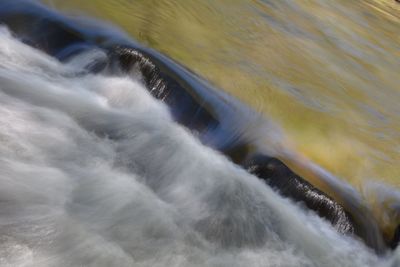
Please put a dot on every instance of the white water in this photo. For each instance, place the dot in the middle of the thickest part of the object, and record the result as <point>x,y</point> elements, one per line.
<point>95,173</point>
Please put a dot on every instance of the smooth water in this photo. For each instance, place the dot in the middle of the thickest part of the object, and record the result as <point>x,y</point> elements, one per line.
<point>71,196</point>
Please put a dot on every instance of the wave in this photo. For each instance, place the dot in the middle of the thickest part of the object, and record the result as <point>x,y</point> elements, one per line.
<point>97,172</point>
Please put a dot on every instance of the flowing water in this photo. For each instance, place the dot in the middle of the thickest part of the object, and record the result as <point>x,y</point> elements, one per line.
<point>324,70</point>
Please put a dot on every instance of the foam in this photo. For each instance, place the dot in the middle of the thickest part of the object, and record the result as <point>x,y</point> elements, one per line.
<point>96,173</point>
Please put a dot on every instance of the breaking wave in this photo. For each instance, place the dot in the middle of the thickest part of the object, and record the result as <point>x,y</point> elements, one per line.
<point>94,172</point>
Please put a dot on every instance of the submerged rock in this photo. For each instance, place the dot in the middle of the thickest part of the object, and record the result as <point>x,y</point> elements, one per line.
<point>218,120</point>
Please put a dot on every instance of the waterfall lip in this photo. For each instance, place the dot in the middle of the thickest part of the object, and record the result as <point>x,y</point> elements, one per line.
<point>233,127</point>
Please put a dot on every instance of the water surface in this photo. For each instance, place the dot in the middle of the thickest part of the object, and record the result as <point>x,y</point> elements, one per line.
<point>325,71</point>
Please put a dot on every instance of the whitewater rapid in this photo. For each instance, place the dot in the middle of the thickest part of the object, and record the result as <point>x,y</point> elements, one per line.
<point>94,172</point>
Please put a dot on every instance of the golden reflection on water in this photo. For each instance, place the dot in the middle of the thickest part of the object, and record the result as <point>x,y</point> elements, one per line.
<point>327,71</point>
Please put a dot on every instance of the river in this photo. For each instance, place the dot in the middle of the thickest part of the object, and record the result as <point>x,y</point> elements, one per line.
<point>326,72</point>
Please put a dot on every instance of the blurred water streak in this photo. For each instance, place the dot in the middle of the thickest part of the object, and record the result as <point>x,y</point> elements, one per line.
<point>327,71</point>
